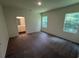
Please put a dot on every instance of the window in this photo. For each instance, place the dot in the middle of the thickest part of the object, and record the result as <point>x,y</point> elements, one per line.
<point>71,23</point>
<point>44,21</point>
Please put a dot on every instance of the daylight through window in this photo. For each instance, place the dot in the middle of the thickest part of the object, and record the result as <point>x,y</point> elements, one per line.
<point>71,23</point>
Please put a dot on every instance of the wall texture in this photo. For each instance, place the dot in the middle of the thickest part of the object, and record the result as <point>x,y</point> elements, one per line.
<point>56,22</point>
<point>3,34</point>
<point>32,20</point>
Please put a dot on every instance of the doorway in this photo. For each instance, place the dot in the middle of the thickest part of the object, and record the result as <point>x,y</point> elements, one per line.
<point>21,24</point>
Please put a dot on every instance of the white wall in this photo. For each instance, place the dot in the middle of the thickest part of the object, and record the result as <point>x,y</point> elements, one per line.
<point>56,22</point>
<point>3,34</point>
<point>32,20</point>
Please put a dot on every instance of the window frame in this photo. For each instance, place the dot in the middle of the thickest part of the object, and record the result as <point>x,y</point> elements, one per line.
<point>42,22</point>
<point>71,21</point>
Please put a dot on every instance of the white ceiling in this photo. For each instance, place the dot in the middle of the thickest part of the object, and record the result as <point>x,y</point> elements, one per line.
<point>32,4</point>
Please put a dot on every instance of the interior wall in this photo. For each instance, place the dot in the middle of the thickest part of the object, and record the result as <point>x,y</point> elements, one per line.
<point>32,20</point>
<point>3,34</point>
<point>56,22</point>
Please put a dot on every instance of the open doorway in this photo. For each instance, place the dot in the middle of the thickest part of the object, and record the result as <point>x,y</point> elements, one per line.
<point>21,24</point>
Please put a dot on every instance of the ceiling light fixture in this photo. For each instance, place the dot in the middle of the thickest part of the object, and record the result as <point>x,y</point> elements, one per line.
<point>39,3</point>
<point>18,17</point>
